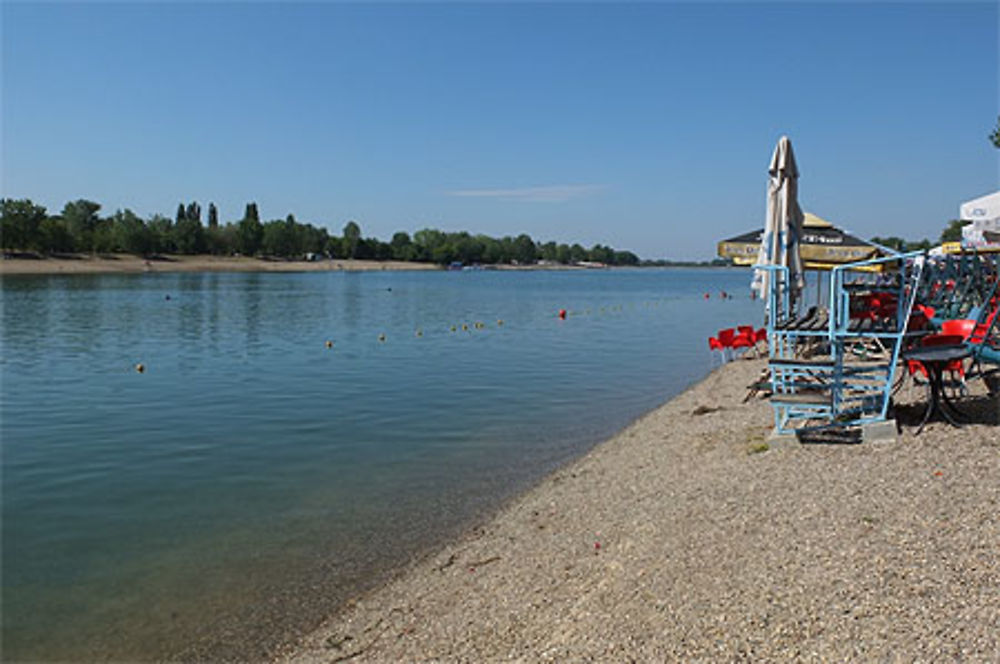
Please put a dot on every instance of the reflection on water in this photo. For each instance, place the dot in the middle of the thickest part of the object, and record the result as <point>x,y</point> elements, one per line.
<point>251,478</point>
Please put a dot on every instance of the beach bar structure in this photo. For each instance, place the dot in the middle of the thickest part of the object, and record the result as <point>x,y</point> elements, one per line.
<point>823,246</point>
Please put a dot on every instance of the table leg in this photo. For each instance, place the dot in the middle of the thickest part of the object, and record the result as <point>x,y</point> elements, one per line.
<point>947,405</point>
<point>931,400</point>
<point>941,400</point>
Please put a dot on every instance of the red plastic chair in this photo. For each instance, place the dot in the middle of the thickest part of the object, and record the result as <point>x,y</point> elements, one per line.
<point>743,339</point>
<point>726,338</point>
<point>716,345</point>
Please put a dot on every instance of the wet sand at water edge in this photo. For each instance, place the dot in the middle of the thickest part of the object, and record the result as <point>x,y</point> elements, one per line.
<point>687,537</point>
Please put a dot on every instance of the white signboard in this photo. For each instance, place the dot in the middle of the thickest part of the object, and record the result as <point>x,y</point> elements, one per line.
<point>984,213</point>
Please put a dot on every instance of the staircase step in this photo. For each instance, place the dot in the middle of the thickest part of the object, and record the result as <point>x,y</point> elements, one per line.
<point>804,398</point>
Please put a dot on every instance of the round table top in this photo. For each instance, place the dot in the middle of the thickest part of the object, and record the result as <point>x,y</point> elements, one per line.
<point>937,353</point>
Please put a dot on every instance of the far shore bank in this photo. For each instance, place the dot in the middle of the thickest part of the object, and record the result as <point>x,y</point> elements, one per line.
<point>126,263</point>
<point>130,264</point>
<point>687,537</point>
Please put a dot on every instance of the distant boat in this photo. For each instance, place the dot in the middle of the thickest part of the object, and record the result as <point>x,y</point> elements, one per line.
<point>455,265</point>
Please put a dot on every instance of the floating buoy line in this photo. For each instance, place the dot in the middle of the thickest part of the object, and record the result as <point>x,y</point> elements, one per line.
<point>560,315</point>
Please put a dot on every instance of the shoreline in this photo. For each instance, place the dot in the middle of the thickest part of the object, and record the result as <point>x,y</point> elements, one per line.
<point>682,537</point>
<point>129,264</point>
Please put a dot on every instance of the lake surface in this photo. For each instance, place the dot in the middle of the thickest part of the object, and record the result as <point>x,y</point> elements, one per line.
<point>252,479</point>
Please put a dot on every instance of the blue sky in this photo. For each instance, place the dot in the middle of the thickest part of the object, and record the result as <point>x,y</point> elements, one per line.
<point>648,127</point>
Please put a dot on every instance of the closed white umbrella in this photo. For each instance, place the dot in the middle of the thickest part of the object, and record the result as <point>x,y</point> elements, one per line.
<point>783,224</point>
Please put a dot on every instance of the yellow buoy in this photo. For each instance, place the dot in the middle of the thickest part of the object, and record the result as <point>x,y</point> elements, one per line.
<point>420,333</point>
<point>499,321</point>
<point>465,327</point>
<point>381,337</point>
<point>329,344</point>
<point>453,328</point>
<point>140,367</point>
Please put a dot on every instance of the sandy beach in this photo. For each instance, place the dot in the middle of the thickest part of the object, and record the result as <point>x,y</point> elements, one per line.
<point>687,538</point>
<point>126,263</point>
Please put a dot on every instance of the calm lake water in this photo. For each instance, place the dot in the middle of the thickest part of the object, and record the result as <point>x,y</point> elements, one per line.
<point>252,479</point>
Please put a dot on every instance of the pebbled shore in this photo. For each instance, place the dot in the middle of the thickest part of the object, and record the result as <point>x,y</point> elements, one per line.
<point>683,539</point>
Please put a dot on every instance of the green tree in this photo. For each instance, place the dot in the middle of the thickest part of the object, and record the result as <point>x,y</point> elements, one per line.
<point>525,252</point>
<point>402,247</point>
<point>280,238</point>
<point>334,247</point>
<point>549,252</point>
<point>54,236</point>
<point>161,231</point>
<point>953,232</point>
<point>893,242</point>
<point>213,216</point>
<point>193,212</point>
<point>189,236</point>
<point>19,224</point>
<point>600,254</point>
<point>104,240</point>
<point>352,236</point>
<point>492,251</point>
<point>131,234</point>
<point>995,136</point>
<point>80,217</point>
<point>625,258</point>
<point>221,240</point>
<point>181,214</point>
<point>309,239</point>
<point>249,232</point>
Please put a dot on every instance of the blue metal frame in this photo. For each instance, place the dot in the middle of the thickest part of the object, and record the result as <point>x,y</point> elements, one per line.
<point>838,392</point>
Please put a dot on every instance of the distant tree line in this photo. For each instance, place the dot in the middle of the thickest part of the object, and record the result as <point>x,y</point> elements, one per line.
<point>80,228</point>
<point>951,233</point>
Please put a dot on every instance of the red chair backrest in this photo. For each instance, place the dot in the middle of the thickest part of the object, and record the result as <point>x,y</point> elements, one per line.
<point>760,335</point>
<point>743,339</point>
<point>960,327</point>
<point>713,344</point>
<point>746,330</point>
<point>726,337</point>
<point>978,334</point>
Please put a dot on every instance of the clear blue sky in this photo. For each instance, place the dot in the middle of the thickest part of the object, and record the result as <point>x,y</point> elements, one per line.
<point>644,126</point>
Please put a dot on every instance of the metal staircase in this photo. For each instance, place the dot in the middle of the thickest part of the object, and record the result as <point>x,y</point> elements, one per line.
<point>835,367</point>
